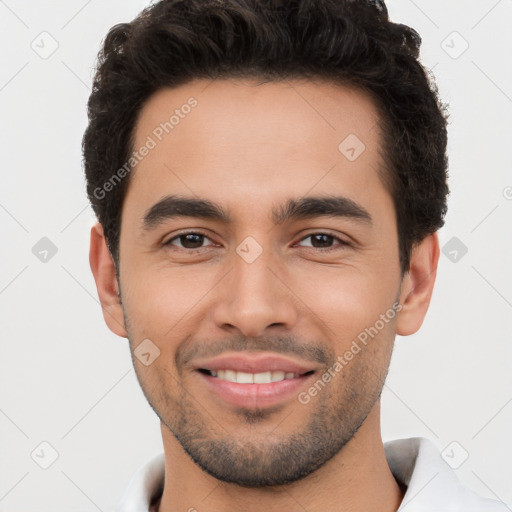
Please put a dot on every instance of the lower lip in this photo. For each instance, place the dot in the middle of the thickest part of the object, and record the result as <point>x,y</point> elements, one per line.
<point>255,395</point>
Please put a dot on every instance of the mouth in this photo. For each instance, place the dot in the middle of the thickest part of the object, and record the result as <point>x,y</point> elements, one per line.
<point>252,380</point>
<point>239,377</point>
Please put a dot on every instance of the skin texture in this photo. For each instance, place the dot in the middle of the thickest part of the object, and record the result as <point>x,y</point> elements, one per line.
<point>250,147</point>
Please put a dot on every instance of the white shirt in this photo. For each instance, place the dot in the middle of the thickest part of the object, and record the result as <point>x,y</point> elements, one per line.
<point>432,485</point>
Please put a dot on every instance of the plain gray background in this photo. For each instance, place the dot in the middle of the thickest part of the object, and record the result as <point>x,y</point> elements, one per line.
<point>67,381</point>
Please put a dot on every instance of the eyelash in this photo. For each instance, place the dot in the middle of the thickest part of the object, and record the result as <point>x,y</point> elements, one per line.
<point>342,243</point>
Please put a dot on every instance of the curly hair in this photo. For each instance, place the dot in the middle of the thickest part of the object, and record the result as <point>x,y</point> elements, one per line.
<point>349,42</point>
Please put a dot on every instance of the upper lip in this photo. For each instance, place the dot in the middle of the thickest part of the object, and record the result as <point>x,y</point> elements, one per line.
<point>253,363</point>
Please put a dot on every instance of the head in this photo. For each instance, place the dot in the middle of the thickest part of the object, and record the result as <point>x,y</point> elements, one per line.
<point>302,147</point>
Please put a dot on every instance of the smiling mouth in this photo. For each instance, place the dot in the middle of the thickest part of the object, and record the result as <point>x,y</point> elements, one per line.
<point>253,378</point>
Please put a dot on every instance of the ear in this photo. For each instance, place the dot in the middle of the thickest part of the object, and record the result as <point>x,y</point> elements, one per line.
<point>104,272</point>
<point>417,286</point>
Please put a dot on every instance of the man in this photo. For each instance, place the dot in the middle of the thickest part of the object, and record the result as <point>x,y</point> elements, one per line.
<point>269,177</point>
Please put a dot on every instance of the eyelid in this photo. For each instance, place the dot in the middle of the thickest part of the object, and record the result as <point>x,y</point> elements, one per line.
<point>342,241</point>
<point>189,232</point>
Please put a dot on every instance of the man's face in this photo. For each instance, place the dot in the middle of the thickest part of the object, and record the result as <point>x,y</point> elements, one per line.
<point>260,292</point>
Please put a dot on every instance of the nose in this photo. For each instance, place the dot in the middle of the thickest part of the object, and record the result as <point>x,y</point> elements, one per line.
<point>255,296</point>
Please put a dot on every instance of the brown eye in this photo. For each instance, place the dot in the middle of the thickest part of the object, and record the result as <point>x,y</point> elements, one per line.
<point>324,241</point>
<point>191,240</point>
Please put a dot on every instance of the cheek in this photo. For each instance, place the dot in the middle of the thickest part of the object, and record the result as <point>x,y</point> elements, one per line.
<point>346,300</point>
<point>159,302</point>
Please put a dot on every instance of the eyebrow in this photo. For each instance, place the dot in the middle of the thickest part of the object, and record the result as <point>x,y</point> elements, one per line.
<point>174,206</point>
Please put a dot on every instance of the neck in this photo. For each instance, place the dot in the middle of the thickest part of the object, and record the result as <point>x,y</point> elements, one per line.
<point>358,478</point>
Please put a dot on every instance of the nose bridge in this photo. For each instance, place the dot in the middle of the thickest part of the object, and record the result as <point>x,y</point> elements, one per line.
<point>253,280</point>
<point>253,298</point>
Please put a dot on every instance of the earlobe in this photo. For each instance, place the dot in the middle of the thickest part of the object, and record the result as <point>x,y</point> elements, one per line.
<point>104,272</point>
<point>418,285</point>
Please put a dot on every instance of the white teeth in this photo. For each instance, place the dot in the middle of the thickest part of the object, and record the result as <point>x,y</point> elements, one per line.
<point>277,376</point>
<point>263,378</point>
<point>244,378</point>
<point>253,378</point>
<point>230,375</point>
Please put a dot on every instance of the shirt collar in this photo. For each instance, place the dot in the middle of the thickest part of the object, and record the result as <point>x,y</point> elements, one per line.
<point>432,485</point>
<point>145,486</point>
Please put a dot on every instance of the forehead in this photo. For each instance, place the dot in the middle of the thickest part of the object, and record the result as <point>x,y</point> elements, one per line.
<point>256,140</point>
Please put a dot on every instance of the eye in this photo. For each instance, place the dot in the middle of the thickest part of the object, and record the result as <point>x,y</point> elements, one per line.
<point>324,241</point>
<point>191,240</point>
